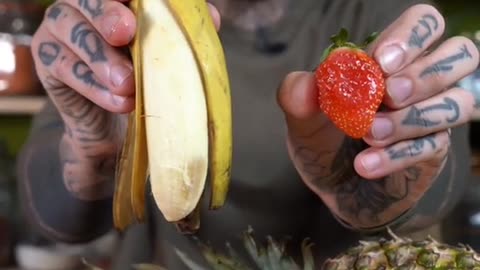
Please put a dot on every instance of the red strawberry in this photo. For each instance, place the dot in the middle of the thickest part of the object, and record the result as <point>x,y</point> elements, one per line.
<point>351,86</point>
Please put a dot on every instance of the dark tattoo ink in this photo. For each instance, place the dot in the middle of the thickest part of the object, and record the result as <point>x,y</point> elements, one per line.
<point>96,180</point>
<point>48,52</point>
<point>366,200</point>
<point>93,7</point>
<point>415,116</point>
<point>447,63</point>
<point>417,147</point>
<point>91,125</point>
<point>312,162</point>
<point>423,31</point>
<point>85,74</point>
<point>54,12</point>
<point>88,40</point>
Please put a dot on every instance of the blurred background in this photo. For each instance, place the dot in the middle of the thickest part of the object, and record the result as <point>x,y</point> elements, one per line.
<point>21,96</point>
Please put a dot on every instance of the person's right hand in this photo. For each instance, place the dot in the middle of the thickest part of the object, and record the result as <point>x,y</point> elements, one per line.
<point>80,56</point>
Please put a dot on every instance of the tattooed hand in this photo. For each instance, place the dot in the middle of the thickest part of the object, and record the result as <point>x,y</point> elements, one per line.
<point>80,56</point>
<point>371,182</point>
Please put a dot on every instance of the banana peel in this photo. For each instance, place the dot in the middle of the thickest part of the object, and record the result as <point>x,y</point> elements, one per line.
<point>180,133</point>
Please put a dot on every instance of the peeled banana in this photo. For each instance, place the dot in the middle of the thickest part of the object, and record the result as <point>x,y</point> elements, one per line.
<point>180,133</point>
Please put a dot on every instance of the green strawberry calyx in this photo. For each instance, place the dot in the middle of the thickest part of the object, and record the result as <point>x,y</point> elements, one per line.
<point>340,40</point>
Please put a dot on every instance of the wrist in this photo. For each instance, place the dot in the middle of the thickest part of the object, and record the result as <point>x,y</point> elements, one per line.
<point>88,175</point>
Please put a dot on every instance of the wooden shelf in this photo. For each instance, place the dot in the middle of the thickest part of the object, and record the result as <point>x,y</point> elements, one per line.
<point>18,105</point>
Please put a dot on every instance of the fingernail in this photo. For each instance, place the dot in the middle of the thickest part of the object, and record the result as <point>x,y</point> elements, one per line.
<point>382,128</point>
<point>119,74</point>
<point>371,162</point>
<point>399,89</point>
<point>391,58</point>
<point>118,100</point>
<point>110,24</point>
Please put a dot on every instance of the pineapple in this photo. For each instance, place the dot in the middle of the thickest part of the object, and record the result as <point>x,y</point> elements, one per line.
<point>395,253</point>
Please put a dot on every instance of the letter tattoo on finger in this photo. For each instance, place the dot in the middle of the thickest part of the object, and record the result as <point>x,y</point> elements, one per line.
<point>54,12</point>
<point>93,7</point>
<point>446,64</point>
<point>85,74</point>
<point>48,52</point>
<point>86,38</point>
<point>425,28</point>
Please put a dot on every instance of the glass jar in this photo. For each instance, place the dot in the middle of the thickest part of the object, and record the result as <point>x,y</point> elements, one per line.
<point>19,19</point>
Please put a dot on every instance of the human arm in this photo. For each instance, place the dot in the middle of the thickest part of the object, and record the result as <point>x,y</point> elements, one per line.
<point>81,56</point>
<point>413,157</point>
<point>48,204</point>
<point>66,167</point>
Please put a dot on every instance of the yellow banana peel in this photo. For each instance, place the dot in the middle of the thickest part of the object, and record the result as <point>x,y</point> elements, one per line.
<point>180,133</point>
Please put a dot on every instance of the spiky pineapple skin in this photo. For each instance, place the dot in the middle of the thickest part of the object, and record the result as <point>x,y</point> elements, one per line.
<point>405,254</point>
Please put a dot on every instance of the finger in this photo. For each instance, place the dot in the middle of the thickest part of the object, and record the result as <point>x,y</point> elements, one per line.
<point>113,20</point>
<point>111,67</point>
<point>449,109</point>
<point>215,16</point>
<point>453,60</point>
<point>375,163</point>
<point>52,57</point>
<point>297,96</point>
<point>407,37</point>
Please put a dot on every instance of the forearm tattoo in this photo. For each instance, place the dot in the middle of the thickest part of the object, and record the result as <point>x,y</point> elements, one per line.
<point>48,52</point>
<point>88,168</point>
<point>363,201</point>
<point>82,72</point>
<point>87,178</point>
<point>54,12</point>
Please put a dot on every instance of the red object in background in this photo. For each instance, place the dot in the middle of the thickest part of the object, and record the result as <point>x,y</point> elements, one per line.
<point>17,70</point>
<point>19,20</point>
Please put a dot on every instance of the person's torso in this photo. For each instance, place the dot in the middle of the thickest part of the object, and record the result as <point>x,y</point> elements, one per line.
<point>266,193</point>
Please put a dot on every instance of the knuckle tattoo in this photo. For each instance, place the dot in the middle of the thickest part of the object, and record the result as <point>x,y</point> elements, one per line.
<point>48,52</point>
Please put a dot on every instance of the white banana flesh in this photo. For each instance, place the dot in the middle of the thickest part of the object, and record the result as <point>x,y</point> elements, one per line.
<point>175,113</point>
<point>181,128</point>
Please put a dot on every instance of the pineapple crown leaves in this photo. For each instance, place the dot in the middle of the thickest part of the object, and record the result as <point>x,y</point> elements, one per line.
<point>271,256</point>
<point>341,40</point>
<point>398,251</point>
<point>274,256</point>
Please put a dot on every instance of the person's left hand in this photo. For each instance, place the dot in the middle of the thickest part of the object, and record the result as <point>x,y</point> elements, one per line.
<point>422,107</point>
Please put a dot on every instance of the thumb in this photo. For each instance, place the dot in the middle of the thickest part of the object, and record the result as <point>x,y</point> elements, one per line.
<point>312,139</point>
<point>297,97</point>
